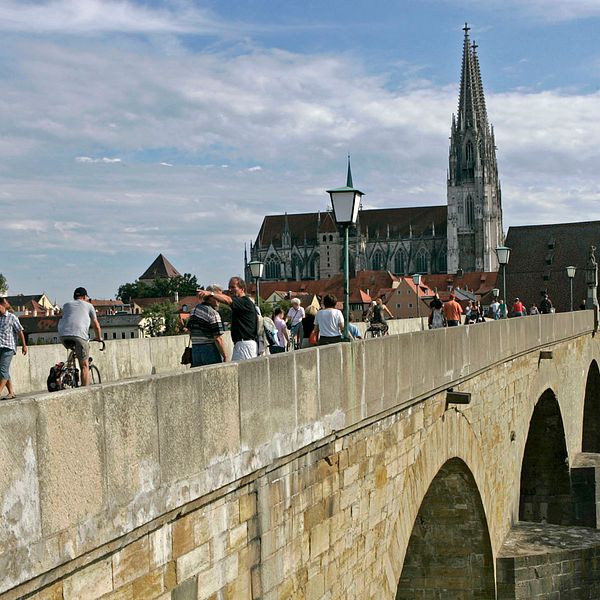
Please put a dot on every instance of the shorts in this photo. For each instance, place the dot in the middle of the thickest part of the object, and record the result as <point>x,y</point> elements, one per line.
<point>325,341</point>
<point>205,354</point>
<point>81,346</point>
<point>6,356</point>
<point>244,350</point>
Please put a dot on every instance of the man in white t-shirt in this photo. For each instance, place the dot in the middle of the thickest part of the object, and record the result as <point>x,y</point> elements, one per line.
<point>74,329</point>
<point>495,309</point>
<point>295,316</point>
<point>329,322</point>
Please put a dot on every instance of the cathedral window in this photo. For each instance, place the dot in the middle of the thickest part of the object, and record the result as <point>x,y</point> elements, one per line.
<point>377,260</point>
<point>469,153</point>
<point>271,268</point>
<point>399,263</point>
<point>421,261</point>
<point>443,262</point>
<point>470,211</point>
<point>331,238</point>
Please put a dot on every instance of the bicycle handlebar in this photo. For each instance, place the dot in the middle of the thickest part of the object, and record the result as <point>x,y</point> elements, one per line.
<point>103,344</point>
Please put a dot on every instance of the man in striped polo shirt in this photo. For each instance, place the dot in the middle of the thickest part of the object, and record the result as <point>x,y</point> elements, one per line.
<point>206,329</point>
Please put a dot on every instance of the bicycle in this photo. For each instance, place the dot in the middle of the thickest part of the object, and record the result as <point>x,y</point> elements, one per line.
<point>65,375</point>
<point>376,330</point>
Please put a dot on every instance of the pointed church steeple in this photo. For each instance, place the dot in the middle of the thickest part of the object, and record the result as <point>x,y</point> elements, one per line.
<point>474,208</point>
<point>349,176</point>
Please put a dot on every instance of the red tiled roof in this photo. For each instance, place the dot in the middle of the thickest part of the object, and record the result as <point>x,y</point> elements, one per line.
<point>479,282</point>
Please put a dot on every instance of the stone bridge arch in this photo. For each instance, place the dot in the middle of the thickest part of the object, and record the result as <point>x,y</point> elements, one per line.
<point>451,451</point>
<point>545,489</point>
<point>590,438</point>
<point>449,552</point>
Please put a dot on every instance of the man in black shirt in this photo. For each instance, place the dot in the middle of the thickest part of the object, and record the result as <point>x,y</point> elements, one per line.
<point>244,318</point>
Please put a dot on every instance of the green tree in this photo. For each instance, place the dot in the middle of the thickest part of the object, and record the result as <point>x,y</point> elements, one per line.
<point>3,284</point>
<point>161,319</point>
<point>184,285</point>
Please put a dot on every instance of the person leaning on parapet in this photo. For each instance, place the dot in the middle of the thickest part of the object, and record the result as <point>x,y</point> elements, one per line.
<point>206,330</point>
<point>10,327</point>
<point>545,304</point>
<point>452,311</point>
<point>329,322</point>
<point>244,318</point>
<point>74,329</point>
<point>308,324</point>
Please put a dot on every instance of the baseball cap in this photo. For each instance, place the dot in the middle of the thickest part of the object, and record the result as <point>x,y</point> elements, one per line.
<point>80,292</point>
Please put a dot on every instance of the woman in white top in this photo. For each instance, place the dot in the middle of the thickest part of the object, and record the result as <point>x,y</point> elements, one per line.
<point>329,322</point>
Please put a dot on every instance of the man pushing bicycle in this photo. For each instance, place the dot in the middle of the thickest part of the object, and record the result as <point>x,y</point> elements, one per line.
<point>74,328</point>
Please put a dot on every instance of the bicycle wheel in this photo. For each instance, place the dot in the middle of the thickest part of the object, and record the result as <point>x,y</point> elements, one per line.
<point>94,375</point>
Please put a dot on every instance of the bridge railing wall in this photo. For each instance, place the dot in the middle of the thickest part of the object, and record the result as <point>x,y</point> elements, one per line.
<point>130,358</point>
<point>80,468</point>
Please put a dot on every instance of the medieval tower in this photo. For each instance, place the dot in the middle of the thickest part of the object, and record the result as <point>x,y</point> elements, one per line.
<point>474,202</point>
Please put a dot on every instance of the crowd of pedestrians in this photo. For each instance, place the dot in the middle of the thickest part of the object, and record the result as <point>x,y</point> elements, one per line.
<point>251,333</point>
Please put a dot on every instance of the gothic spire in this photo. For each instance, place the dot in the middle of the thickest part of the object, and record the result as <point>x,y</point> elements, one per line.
<point>349,176</point>
<point>466,104</point>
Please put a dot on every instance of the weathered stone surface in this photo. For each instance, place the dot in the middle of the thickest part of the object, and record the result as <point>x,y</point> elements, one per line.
<point>92,582</point>
<point>71,458</point>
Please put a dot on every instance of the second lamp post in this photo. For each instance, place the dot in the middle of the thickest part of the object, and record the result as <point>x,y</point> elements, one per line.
<point>345,202</point>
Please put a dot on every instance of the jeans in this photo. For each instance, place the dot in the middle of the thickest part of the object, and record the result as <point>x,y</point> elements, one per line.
<point>205,354</point>
<point>6,355</point>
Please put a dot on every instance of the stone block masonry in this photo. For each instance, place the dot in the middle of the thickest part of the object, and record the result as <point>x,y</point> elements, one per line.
<point>181,486</point>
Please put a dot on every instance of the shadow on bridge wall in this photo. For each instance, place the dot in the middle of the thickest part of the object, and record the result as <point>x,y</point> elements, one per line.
<point>591,411</point>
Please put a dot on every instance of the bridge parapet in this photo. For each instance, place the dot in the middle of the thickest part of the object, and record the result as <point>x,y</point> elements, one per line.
<point>84,467</point>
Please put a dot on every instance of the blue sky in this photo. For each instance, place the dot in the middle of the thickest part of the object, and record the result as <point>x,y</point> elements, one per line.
<point>133,128</point>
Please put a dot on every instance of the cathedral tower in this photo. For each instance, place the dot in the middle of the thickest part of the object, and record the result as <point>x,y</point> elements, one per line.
<point>474,202</point>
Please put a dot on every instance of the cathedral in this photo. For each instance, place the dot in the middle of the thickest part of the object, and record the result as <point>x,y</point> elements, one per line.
<point>426,239</point>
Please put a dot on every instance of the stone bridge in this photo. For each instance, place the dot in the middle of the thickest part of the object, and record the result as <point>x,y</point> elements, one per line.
<point>348,471</point>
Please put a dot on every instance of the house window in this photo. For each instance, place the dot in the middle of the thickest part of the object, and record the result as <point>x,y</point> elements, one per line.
<point>114,335</point>
<point>122,335</point>
<point>132,335</point>
<point>105,335</point>
<point>397,304</point>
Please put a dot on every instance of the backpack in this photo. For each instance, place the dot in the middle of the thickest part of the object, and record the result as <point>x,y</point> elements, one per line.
<point>270,332</point>
<point>53,382</point>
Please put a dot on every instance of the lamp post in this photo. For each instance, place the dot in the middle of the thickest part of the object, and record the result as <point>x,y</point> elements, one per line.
<point>503,254</point>
<point>257,268</point>
<point>417,281</point>
<point>571,274</point>
<point>346,202</point>
<point>496,293</point>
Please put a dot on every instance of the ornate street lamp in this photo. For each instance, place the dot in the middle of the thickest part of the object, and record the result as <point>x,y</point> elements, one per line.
<point>503,254</point>
<point>346,202</point>
<point>257,268</point>
<point>417,281</point>
<point>571,274</point>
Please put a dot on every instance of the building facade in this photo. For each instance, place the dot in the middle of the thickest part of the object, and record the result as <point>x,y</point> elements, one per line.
<point>424,239</point>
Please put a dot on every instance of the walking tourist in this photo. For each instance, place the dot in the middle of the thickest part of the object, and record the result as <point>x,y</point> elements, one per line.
<point>452,311</point>
<point>10,328</point>
<point>244,318</point>
<point>282,331</point>
<point>518,309</point>
<point>329,322</point>
<point>436,314</point>
<point>206,330</point>
<point>534,310</point>
<point>502,309</point>
<point>308,324</point>
<point>495,309</point>
<point>74,329</point>
<point>295,316</point>
<point>545,305</point>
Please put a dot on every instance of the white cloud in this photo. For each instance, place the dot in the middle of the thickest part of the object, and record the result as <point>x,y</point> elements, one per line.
<point>93,16</point>
<point>254,169</point>
<point>88,159</point>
